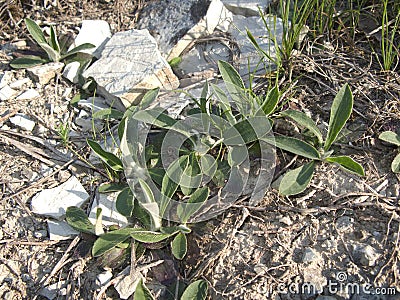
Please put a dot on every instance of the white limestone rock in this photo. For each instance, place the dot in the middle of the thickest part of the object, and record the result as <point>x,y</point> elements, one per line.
<point>5,78</point>
<point>60,230</point>
<point>54,202</point>
<point>246,8</point>
<point>22,121</point>
<point>96,32</point>
<point>129,66</point>
<point>28,95</point>
<point>71,71</point>
<point>110,215</point>
<point>44,73</point>
<point>7,92</point>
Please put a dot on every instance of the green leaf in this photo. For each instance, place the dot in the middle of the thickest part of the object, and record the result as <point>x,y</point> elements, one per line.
<point>396,164</point>
<point>191,177</point>
<point>195,202</point>
<point>27,62</point>
<point>124,203</point>
<point>141,214</point>
<point>110,159</point>
<point>179,246</point>
<point>224,103</point>
<point>148,193</point>
<point>155,117</point>
<point>297,180</point>
<point>111,187</point>
<point>237,155</point>
<point>235,86</point>
<point>149,98</point>
<point>35,31</point>
<point>175,62</point>
<point>98,226</point>
<point>145,236</point>
<point>340,112</point>
<point>156,174</point>
<point>77,219</point>
<point>294,145</point>
<point>53,39</point>
<point>52,54</point>
<point>347,163</point>
<point>246,131</point>
<point>390,137</point>
<point>108,113</point>
<point>208,165</point>
<point>203,98</point>
<point>305,121</point>
<point>196,291</point>
<point>270,102</point>
<point>109,240</point>
<point>142,292</point>
<point>77,50</point>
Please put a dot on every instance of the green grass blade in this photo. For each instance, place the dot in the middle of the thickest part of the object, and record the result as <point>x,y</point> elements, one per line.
<point>297,180</point>
<point>340,112</point>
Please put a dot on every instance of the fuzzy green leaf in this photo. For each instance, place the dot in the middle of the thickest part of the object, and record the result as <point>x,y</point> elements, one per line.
<point>191,177</point>
<point>27,62</point>
<point>142,292</point>
<point>110,239</point>
<point>179,246</point>
<point>196,200</point>
<point>270,102</point>
<point>390,137</point>
<point>109,158</point>
<point>124,203</point>
<point>246,131</point>
<point>297,180</point>
<point>340,112</point>
<point>293,145</point>
<point>149,98</point>
<point>196,291</point>
<point>112,187</point>
<point>347,163</point>
<point>53,55</point>
<point>305,121</point>
<point>396,164</point>
<point>54,40</point>
<point>78,49</point>
<point>77,219</point>
<point>108,113</point>
<point>149,236</point>
<point>35,31</point>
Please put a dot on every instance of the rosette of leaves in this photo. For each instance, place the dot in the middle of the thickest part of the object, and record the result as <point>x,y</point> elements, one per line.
<point>55,50</point>
<point>394,139</point>
<point>297,180</point>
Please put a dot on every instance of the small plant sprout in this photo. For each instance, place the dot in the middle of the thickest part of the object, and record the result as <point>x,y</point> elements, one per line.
<point>392,138</point>
<point>55,51</point>
<point>296,181</point>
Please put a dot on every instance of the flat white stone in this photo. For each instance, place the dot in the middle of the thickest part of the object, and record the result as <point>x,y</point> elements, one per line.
<point>7,92</point>
<point>5,78</point>
<point>71,71</point>
<point>246,7</point>
<point>110,214</point>
<point>96,32</point>
<point>44,73</point>
<point>129,66</point>
<point>28,95</point>
<point>19,83</point>
<point>22,121</point>
<point>94,104</point>
<point>54,202</point>
<point>60,230</point>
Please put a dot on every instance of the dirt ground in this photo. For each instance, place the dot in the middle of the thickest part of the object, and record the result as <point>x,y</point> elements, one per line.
<point>342,230</point>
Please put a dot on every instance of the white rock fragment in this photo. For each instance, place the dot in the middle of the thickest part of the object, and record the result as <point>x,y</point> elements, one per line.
<point>6,93</point>
<point>22,121</point>
<point>71,71</point>
<point>94,104</point>
<point>54,290</point>
<point>310,255</point>
<point>5,78</point>
<point>129,66</point>
<point>217,17</point>
<point>127,285</point>
<point>28,95</point>
<point>20,83</point>
<point>366,255</point>
<point>95,32</point>
<point>109,212</point>
<point>103,278</point>
<point>54,202</point>
<point>246,7</point>
<point>60,230</point>
<point>44,73</point>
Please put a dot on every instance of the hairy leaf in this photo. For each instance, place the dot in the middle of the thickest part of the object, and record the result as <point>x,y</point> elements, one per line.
<point>77,219</point>
<point>109,158</point>
<point>293,145</point>
<point>27,62</point>
<point>390,137</point>
<point>347,163</point>
<point>142,292</point>
<point>297,180</point>
<point>396,164</point>
<point>124,203</point>
<point>179,246</point>
<point>196,291</point>
<point>195,202</point>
